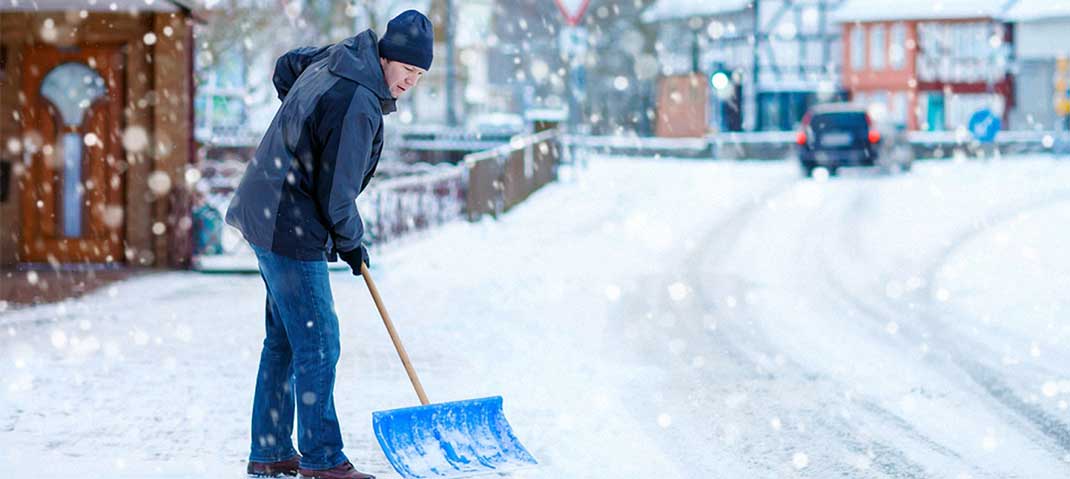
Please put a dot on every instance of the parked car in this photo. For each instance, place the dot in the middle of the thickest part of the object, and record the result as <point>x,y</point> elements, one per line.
<point>838,135</point>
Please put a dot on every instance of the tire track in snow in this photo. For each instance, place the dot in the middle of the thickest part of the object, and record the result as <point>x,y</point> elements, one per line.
<point>989,379</point>
<point>1057,433</point>
<point>833,290</point>
<point>751,365</point>
<point>890,459</point>
<point>683,392</point>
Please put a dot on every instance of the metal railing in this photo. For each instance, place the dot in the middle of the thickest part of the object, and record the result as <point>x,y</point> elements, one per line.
<point>488,182</point>
<point>500,178</point>
<point>397,207</point>
<point>768,145</point>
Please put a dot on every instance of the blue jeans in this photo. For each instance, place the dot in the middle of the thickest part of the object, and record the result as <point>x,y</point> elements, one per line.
<point>297,365</point>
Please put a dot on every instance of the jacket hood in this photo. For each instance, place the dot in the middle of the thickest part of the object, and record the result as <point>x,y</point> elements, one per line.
<point>357,58</point>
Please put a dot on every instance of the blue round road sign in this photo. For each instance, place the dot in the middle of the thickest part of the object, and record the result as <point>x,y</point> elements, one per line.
<point>984,125</point>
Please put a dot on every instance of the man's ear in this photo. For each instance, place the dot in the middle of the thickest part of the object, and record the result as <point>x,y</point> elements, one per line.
<point>382,62</point>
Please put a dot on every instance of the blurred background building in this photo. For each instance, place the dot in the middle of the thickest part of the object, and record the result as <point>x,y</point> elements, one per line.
<point>928,68</point>
<point>1041,71</point>
<point>179,93</point>
<point>765,61</point>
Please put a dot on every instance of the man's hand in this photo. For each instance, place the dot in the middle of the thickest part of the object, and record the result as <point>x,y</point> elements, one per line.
<point>355,257</point>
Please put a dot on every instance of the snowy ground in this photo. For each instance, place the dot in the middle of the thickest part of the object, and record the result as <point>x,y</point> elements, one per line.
<point>668,319</point>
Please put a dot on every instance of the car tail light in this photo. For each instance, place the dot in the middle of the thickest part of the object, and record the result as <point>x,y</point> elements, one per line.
<point>874,136</point>
<point>800,137</point>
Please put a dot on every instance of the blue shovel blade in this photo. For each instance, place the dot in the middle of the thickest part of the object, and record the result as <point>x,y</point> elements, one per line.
<point>453,439</point>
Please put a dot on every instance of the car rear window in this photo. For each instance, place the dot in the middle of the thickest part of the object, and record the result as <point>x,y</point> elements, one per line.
<point>842,129</point>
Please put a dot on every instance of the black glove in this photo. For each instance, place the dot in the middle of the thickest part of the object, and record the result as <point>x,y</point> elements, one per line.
<point>355,257</point>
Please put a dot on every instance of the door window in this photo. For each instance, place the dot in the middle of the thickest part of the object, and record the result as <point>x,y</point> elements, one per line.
<point>72,88</point>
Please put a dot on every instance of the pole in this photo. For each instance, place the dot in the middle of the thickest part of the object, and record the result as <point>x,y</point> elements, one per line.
<point>694,51</point>
<point>576,59</point>
<point>752,96</point>
<point>451,73</point>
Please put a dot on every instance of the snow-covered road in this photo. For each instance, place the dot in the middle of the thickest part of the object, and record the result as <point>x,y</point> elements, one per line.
<point>653,318</point>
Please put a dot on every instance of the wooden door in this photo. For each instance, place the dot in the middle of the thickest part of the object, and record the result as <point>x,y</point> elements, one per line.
<point>72,196</point>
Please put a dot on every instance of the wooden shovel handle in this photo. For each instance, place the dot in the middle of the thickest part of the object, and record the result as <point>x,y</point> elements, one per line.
<point>393,334</point>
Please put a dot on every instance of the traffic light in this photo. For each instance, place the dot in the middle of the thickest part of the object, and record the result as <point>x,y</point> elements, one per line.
<point>724,100</point>
<point>722,82</point>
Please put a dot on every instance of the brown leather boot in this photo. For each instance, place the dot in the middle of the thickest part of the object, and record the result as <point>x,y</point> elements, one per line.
<point>341,471</point>
<point>286,467</point>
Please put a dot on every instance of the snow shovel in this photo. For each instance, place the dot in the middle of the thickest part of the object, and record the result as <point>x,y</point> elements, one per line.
<point>444,440</point>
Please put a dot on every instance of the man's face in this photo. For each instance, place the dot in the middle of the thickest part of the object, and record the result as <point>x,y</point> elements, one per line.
<point>400,77</point>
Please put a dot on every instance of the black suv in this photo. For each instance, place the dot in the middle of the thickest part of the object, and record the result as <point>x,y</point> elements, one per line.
<point>836,135</point>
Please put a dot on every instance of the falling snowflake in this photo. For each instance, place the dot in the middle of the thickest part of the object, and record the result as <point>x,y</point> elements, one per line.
<point>664,420</point>
<point>91,139</point>
<point>59,339</point>
<point>135,139</point>
<point>159,183</point>
<point>989,443</point>
<point>678,291</point>
<point>613,292</point>
<point>1050,389</point>
<point>14,146</point>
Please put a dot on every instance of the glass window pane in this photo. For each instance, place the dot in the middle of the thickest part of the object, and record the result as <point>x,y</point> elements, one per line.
<point>858,46</point>
<point>876,47</point>
<point>71,191</point>
<point>897,49</point>
<point>72,88</point>
<point>899,108</point>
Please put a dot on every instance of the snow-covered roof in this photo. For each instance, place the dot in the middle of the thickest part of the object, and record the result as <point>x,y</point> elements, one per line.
<point>1028,10</point>
<point>673,9</point>
<point>877,10</point>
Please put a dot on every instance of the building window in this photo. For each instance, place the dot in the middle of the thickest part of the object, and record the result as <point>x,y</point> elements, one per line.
<point>961,52</point>
<point>878,105</point>
<point>877,47</point>
<point>221,114</point>
<point>897,48</point>
<point>858,45</point>
<point>899,108</point>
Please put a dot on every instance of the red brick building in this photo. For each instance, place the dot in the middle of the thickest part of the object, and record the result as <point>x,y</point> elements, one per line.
<point>924,67</point>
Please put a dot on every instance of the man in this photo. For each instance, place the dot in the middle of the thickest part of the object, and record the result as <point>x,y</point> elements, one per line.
<point>296,207</point>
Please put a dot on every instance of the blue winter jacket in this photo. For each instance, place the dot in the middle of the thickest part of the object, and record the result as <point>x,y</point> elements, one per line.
<point>297,197</point>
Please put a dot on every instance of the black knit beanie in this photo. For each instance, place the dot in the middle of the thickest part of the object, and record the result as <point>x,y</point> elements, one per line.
<point>410,39</point>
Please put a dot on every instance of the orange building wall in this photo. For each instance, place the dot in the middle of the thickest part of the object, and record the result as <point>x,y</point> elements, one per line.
<point>887,79</point>
<point>866,80</point>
